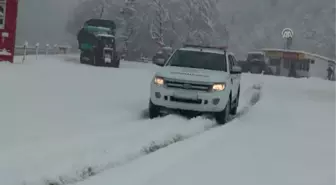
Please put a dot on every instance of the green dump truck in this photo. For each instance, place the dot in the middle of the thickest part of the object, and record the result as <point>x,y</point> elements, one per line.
<point>96,41</point>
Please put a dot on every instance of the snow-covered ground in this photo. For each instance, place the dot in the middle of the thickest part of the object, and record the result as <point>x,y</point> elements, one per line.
<point>288,138</point>
<point>59,117</point>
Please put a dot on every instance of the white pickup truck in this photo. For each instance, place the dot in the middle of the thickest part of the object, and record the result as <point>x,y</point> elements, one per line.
<point>200,79</point>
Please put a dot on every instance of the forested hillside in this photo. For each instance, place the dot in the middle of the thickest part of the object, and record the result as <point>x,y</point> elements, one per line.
<point>241,24</point>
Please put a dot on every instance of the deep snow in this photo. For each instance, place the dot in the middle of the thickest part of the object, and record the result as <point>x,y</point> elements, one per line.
<point>288,138</point>
<point>58,117</point>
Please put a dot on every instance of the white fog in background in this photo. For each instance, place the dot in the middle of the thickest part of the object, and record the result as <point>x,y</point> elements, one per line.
<point>251,23</point>
<point>44,21</point>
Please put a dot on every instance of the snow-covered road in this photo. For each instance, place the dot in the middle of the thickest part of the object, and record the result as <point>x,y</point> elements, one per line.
<point>57,118</point>
<point>288,138</point>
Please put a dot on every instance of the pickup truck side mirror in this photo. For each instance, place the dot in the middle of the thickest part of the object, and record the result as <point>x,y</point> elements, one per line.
<point>236,70</point>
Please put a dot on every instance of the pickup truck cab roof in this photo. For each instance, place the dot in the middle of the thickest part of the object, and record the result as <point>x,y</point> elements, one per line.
<point>218,50</point>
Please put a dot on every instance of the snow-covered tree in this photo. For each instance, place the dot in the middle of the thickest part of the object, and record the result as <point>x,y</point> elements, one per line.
<point>103,6</point>
<point>208,11</point>
<point>128,22</point>
<point>89,9</point>
<point>160,23</point>
<point>200,18</point>
<point>244,25</point>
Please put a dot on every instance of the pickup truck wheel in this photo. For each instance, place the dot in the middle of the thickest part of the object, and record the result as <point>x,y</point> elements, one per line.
<point>235,104</point>
<point>223,116</point>
<point>153,110</point>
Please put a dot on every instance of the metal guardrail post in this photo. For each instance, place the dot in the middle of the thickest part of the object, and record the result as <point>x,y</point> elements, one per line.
<point>27,49</point>
<point>24,51</point>
<point>56,51</point>
<point>47,49</point>
<point>37,46</point>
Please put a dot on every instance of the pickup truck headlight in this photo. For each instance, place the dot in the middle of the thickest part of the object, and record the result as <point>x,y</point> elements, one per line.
<point>218,87</point>
<point>158,80</point>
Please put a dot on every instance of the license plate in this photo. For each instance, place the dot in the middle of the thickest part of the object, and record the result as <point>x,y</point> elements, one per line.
<point>186,95</point>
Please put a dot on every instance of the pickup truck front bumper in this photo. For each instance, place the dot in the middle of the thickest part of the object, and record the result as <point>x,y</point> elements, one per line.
<point>190,100</point>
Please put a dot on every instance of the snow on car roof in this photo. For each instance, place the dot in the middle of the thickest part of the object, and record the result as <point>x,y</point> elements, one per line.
<point>256,52</point>
<point>282,50</point>
<point>104,35</point>
<point>307,54</point>
<point>206,50</point>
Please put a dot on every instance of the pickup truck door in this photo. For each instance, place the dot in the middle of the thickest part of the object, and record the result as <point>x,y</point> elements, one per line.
<point>234,78</point>
<point>237,76</point>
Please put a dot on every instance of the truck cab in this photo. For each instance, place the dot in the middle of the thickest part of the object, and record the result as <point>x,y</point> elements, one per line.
<point>255,56</point>
<point>257,63</point>
<point>96,40</point>
<point>198,79</point>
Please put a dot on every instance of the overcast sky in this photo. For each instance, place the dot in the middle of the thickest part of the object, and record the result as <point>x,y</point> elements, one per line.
<point>43,21</point>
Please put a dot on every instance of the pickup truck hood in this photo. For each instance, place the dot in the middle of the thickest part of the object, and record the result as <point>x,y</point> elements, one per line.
<point>192,74</point>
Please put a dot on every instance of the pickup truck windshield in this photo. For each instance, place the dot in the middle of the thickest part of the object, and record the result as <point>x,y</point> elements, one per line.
<point>201,60</point>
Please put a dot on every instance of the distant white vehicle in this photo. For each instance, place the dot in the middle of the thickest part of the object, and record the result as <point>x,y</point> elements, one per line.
<point>197,79</point>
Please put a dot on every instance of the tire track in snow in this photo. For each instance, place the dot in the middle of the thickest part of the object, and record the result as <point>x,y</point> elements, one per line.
<point>253,95</point>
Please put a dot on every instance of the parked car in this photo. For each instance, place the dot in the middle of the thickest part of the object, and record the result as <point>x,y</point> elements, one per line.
<point>162,55</point>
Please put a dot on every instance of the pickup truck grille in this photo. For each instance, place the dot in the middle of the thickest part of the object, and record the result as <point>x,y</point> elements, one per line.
<point>187,85</point>
<point>183,100</point>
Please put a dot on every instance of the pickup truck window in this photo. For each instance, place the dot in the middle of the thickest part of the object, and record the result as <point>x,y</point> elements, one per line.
<point>235,63</point>
<point>231,62</point>
<point>200,60</point>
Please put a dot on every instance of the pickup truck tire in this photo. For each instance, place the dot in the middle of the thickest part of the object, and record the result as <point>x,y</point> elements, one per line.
<point>223,116</point>
<point>235,103</point>
<point>153,110</point>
